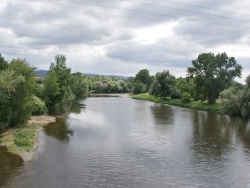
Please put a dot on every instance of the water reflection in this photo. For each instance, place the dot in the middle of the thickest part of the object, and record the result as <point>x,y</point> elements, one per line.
<point>67,108</point>
<point>59,130</point>
<point>212,134</point>
<point>163,115</point>
<point>115,145</point>
<point>8,164</point>
<point>76,107</point>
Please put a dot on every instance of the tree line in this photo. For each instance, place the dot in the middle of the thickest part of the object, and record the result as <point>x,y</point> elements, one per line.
<point>210,77</point>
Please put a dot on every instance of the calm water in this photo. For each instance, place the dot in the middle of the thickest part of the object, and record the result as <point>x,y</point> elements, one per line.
<point>120,142</point>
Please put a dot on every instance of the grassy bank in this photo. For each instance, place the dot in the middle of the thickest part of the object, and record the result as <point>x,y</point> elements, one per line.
<point>23,140</point>
<point>198,105</point>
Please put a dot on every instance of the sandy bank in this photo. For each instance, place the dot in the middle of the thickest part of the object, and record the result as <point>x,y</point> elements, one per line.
<point>35,123</point>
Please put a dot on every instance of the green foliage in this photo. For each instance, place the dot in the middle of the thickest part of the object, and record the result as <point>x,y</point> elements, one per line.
<point>175,95</point>
<point>24,138</point>
<point>185,85</point>
<point>212,74</point>
<point>103,84</point>
<point>143,77</point>
<point>57,83</point>
<point>177,102</point>
<point>16,84</point>
<point>3,63</point>
<point>139,88</point>
<point>9,85</point>
<point>230,101</point>
<point>163,84</point>
<point>38,106</point>
<point>51,90</point>
<point>79,85</point>
<point>185,97</point>
<point>236,101</point>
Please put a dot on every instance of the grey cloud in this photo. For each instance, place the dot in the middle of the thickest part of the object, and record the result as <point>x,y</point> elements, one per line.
<point>209,34</point>
<point>40,30</point>
<point>165,53</point>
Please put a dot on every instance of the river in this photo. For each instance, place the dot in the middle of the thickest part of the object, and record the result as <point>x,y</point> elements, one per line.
<point>121,142</point>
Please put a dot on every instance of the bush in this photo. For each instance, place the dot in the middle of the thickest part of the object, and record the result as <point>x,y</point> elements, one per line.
<point>185,97</point>
<point>175,95</point>
<point>38,106</point>
<point>24,137</point>
<point>139,88</point>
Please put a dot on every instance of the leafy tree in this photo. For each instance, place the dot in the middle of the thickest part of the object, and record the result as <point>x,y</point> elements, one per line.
<point>57,83</point>
<point>24,92</point>
<point>16,85</point>
<point>185,85</point>
<point>98,86</point>
<point>51,92</point>
<point>9,85</point>
<point>212,74</point>
<point>144,77</point>
<point>163,84</point>
<point>185,97</point>
<point>235,101</point>
<point>79,84</point>
<point>139,88</point>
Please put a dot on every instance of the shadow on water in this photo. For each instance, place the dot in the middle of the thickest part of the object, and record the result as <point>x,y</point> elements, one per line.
<point>59,130</point>
<point>8,164</point>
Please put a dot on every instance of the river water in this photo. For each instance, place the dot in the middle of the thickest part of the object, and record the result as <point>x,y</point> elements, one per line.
<point>120,142</point>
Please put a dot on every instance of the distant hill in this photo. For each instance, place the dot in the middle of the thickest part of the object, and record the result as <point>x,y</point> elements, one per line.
<point>109,76</point>
<point>43,73</point>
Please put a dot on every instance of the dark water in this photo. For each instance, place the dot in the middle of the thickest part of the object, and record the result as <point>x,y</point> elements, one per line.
<point>120,142</point>
<point>8,165</point>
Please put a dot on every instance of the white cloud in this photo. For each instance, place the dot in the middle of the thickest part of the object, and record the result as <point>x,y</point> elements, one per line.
<point>103,40</point>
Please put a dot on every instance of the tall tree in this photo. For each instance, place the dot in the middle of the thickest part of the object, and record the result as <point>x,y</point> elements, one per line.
<point>212,74</point>
<point>19,100</point>
<point>144,77</point>
<point>163,84</point>
<point>10,83</point>
<point>59,77</point>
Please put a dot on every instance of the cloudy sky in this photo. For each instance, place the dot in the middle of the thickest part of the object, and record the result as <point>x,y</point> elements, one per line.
<point>120,37</point>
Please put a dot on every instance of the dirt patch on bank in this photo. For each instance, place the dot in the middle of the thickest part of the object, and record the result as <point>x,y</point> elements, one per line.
<point>35,123</point>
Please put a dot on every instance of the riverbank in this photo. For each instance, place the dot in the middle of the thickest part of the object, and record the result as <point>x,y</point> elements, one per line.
<point>122,95</point>
<point>23,141</point>
<point>198,105</point>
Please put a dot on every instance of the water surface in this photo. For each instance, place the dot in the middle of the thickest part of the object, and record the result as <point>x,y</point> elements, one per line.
<point>120,142</point>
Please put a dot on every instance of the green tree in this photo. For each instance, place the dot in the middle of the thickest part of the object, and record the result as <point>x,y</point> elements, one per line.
<point>163,84</point>
<point>98,87</point>
<point>144,77</point>
<point>16,85</point>
<point>51,92</point>
<point>212,74</point>
<point>79,84</point>
<point>57,83</point>
<point>10,82</point>
<point>139,88</point>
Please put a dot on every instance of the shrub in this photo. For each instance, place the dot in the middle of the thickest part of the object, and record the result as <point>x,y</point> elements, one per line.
<point>185,97</point>
<point>38,106</point>
<point>175,95</point>
<point>139,88</point>
<point>24,137</point>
